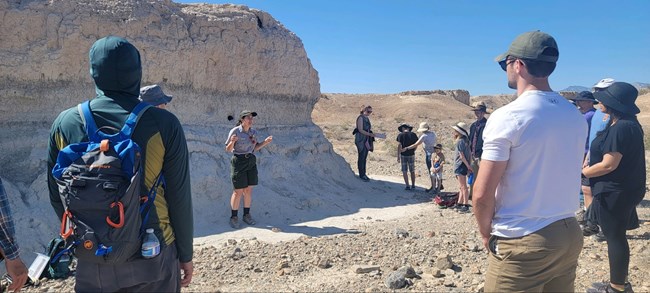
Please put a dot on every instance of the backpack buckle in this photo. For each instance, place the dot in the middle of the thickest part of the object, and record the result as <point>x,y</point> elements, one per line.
<point>103,146</point>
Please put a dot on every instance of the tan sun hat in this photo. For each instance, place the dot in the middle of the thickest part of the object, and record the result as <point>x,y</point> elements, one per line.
<point>423,127</point>
<point>460,127</point>
<point>480,106</point>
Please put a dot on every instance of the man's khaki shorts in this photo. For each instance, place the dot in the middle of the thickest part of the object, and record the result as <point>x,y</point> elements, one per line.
<point>544,261</point>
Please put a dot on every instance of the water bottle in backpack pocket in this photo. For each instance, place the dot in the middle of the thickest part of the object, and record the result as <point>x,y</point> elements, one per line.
<point>150,245</point>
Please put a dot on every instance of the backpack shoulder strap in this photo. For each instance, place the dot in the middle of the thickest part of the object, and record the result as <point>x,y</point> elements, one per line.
<point>91,128</point>
<point>88,121</point>
<point>134,117</point>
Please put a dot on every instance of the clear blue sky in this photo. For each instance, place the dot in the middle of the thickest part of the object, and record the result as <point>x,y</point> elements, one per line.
<point>379,46</point>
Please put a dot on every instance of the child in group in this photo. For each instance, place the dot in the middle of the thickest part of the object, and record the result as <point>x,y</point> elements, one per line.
<point>461,165</point>
<point>437,161</point>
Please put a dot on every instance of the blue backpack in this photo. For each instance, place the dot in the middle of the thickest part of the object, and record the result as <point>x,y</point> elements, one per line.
<point>100,183</point>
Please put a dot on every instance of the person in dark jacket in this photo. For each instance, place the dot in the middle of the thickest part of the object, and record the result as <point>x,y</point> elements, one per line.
<point>476,139</point>
<point>116,69</point>
<point>617,175</point>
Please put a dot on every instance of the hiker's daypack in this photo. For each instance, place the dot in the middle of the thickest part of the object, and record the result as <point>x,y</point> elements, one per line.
<point>446,199</point>
<point>58,267</point>
<point>100,186</point>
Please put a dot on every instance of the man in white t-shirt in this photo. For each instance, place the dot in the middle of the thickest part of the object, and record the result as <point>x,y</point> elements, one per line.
<point>524,197</point>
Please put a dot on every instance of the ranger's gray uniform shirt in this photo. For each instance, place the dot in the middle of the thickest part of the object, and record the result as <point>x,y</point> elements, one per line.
<point>246,140</point>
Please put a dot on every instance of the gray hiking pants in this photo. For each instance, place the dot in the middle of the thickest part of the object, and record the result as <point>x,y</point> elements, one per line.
<point>158,274</point>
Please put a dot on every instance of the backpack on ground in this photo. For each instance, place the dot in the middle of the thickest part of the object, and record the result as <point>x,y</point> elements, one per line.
<point>100,186</point>
<point>445,200</point>
<point>58,267</point>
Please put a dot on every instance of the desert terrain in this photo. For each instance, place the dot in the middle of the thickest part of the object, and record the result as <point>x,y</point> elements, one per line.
<point>406,241</point>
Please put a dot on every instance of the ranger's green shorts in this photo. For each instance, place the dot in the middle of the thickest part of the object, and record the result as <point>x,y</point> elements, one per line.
<point>243,171</point>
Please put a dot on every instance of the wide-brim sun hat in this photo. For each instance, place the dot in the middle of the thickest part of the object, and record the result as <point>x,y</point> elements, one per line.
<point>480,106</point>
<point>423,127</point>
<point>461,128</point>
<point>619,96</point>
<point>401,127</point>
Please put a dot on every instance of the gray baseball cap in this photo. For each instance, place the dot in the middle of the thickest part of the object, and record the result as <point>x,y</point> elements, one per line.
<point>532,46</point>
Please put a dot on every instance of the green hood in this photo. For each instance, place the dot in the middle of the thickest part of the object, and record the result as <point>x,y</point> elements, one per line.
<point>116,68</point>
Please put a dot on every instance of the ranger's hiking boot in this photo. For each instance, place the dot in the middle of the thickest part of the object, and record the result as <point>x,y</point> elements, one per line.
<point>234,222</point>
<point>249,220</point>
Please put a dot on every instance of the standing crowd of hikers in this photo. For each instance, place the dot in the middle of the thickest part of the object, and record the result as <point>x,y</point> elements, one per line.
<point>534,154</point>
<point>538,155</point>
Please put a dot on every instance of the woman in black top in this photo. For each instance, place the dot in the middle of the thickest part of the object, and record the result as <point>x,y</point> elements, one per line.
<point>617,177</point>
<point>363,139</point>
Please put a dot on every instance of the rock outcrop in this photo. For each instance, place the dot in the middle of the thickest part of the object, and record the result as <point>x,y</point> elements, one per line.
<point>458,95</point>
<point>216,60</point>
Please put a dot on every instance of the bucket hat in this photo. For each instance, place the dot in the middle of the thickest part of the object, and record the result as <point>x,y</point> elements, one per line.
<point>604,83</point>
<point>438,146</point>
<point>619,96</point>
<point>585,96</point>
<point>461,128</point>
<point>154,95</point>
<point>533,45</point>
<point>401,127</point>
<point>423,127</point>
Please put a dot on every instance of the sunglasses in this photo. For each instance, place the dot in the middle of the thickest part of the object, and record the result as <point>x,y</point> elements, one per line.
<point>505,62</point>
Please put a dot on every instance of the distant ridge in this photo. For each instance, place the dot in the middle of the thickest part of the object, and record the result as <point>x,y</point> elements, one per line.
<point>575,88</point>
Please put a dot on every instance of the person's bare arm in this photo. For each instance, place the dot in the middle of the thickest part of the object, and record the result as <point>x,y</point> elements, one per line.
<point>399,151</point>
<point>484,195</point>
<point>230,146</point>
<point>187,269</point>
<point>416,144</point>
<point>607,165</point>
<point>17,271</point>
<point>469,167</point>
<point>266,141</point>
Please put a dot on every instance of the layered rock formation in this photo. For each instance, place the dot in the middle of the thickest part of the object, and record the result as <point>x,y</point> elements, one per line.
<point>215,59</point>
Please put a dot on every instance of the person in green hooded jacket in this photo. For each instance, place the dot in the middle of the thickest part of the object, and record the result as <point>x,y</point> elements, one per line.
<point>116,69</point>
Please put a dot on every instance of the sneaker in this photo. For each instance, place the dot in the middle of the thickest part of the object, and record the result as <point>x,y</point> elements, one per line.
<point>249,220</point>
<point>605,287</point>
<point>234,222</point>
<point>442,187</point>
<point>428,189</point>
<point>407,187</point>
<point>463,209</point>
<point>588,230</point>
<point>600,237</point>
<point>412,187</point>
<point>364,178</point>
